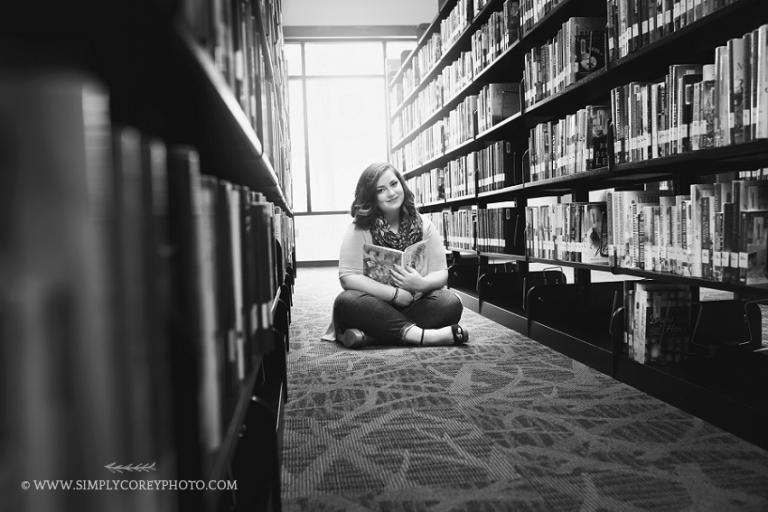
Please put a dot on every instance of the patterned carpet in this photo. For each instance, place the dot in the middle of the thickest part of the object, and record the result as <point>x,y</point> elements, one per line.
<point>501,424</point>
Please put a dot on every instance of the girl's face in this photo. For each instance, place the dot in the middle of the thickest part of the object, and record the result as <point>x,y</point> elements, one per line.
<point>389,193</point>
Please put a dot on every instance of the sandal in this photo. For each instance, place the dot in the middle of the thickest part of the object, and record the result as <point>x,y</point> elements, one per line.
<point>460,334</point>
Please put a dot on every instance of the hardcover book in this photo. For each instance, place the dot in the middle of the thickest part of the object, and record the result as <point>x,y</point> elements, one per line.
<point>378,261</point>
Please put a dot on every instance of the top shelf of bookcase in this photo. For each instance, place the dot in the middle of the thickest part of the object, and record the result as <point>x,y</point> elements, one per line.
<point>160,81</point>
<point>431,29</point>
<point>649,63</point>
<point>543,29</point>
<point>228,144</point>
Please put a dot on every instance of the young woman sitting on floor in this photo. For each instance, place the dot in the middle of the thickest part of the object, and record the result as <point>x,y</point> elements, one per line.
<point>414,308</point>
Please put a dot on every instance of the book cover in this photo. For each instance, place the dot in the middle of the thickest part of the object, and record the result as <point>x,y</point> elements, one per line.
<point>752,257</point>
<point>588,54</point>
<point>378,261</point>
<point>594,232</point>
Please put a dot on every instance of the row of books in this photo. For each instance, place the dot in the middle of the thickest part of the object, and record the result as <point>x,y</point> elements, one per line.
<point>576,51</point>
<point>718,231</point>
<point>633,24</point>
<point>567,146</point>
<point>491,168</point>
<point>461,123</point>
<point>424,58</point>
<point>129,264</point>
<point>412,115</point>
<point>658,322</point>
<point>427,56</point>
<point>453,78</point>
<point>487,43</point>
<point>495,36</point>
<point>493,104</point>
<point>454,181</point>
<point>232,32</point>
<point>452,26</point>
<point>459,229</point>
<point>427,145</point>
<point>500,229</point>
<point>696,107</point>
<point>573,231</point>
<point>533,11</point>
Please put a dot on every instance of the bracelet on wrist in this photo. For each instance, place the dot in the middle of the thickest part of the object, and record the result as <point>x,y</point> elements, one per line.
<point>394,297</point>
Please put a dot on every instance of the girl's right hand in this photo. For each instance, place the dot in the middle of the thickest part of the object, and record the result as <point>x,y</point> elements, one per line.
<point>404,298</point>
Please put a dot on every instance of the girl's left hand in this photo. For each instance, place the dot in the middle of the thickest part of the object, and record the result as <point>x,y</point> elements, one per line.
<point>407,278</point>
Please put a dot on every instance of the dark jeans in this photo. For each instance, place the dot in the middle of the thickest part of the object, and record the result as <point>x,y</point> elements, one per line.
<point>386,323</point>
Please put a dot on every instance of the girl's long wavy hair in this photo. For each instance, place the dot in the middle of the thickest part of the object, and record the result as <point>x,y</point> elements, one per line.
<point>365,207</point>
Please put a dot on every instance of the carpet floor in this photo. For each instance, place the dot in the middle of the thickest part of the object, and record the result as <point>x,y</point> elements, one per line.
<point>503,423</point>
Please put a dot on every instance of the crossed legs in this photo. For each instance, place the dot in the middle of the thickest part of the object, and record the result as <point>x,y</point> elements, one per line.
<point>426,320</point>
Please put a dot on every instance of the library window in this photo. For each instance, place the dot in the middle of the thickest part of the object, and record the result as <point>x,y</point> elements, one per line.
<point>338,106</point>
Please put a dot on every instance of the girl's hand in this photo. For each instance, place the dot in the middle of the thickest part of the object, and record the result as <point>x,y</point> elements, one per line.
<point>408,278</point>
<point>404,298</point>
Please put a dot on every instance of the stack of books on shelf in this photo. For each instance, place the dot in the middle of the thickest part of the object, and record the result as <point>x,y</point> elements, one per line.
<point>231,33</point>
<point>717,232</point>
<point>500,229</point>
<point>428,144</point>
<point>460,177</point>
<point>428,187</point>
<point>497,167</point>
<point>578,143</point>
<point>461,123</point>
<point>573,231</point>
<point>427,101</point>
<point>576,51</point>
<point>454,23</point>
<point>533,11</point>
<point>438,221</point>
<point>496,36</point>
<point>658,322</point>
<point>459,229</point>
<point>634,24</point>
<point>164,251</point>
<point>696,106</point>
<point>456,75</point>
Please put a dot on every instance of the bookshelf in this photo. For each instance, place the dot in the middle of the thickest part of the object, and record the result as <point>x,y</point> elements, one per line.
<point>151,254</point>
<point>585,319</point>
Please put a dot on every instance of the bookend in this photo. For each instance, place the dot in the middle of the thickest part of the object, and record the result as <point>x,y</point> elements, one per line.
<point>256,463</point>
<point>548,276</point>
<point>616,335</point>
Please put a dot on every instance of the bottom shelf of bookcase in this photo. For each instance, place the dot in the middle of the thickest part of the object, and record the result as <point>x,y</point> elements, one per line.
<point>469,299</point>
<point>728,395</point>
<point>506,315</point>
<point>256,463</point>
<point>576,346</point>
<point>229,445</point>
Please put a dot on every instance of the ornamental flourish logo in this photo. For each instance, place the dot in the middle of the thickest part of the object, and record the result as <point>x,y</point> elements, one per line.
<point>114,467</point>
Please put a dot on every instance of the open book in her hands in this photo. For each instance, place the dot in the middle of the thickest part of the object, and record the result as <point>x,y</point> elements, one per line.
<point>379,261</point>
